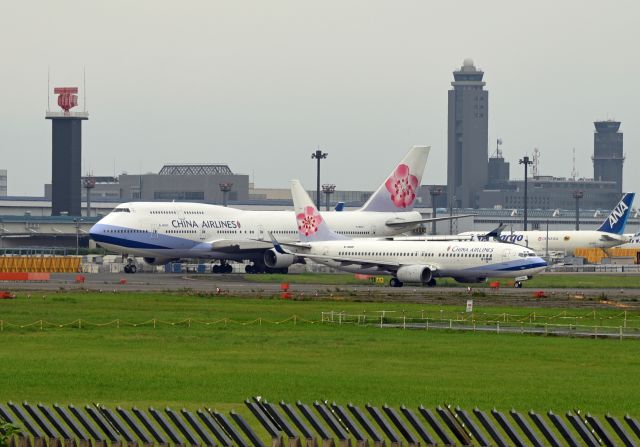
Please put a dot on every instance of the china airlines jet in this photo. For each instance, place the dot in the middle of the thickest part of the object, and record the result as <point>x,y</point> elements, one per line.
<point>609,233</point>
<point>164,231</point>
<point>408,261</point>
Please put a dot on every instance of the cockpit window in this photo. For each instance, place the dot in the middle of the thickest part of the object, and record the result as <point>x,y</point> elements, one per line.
<point>122,210</point>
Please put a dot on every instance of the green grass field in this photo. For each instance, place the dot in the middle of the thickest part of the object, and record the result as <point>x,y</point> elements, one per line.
<point>221,364</point>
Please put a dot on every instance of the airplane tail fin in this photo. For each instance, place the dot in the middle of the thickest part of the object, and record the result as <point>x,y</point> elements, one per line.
<point>617,220</point>
<point>398,192</point>
<point>311,225</point>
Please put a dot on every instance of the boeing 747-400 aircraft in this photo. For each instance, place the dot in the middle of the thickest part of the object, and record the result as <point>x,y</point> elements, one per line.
<point>408,261</point>
<point>164,231</point>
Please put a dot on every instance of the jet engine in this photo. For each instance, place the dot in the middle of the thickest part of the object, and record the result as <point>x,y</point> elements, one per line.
<point>414,273</point>
<point>275,260</point>
<point>158,261</point>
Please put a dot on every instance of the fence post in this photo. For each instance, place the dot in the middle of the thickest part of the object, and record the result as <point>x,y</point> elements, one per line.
<point>340,318</point>
<point>40,324</point>
<point>154,323</point>
<point>625,319</point>
<point>189,322</point>
<point>381,317</point>
<point>450,324</point>
<point>620,332</point>
<point>118,323</point>
<point>404,322</point>
<point>497,327</point>
<point>546,331</point>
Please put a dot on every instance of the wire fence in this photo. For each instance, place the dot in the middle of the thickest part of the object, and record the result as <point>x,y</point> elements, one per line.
<point>561,324</point>
<point>591,324</point>
<point>154,323</point>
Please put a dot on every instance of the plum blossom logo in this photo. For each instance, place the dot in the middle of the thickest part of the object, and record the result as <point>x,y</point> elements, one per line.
<point>402,186</point>
<point>308,221</point>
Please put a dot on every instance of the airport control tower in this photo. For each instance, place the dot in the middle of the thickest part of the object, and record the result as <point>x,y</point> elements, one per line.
<point>468,145</point>
<point>608,157</point>
<point>66,157</point>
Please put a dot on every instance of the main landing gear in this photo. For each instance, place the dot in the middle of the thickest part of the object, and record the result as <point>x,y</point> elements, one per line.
<point>130,267</point>
<point>224,267</point>
<point>395,282</point>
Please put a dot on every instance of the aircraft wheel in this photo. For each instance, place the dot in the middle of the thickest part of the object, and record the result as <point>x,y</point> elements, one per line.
<point>518,285</point>
<point>248,268</point>
<point>133,269</point>
<point>215,269</point>
<point>284,270</point>
<point>395,282</point>
<point>127,268</point>
<point>227,268</point>
<point>431,282</point>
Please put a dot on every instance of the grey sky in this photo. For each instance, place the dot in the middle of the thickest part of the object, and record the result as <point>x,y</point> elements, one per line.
<point>259,85</point>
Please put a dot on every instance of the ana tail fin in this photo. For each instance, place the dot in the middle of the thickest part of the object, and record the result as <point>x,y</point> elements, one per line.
<point>617,220</point>
<point>398,192</point>
<point>311,225</point>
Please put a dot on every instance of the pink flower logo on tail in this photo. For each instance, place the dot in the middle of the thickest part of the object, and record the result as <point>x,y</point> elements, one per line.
<point>402,185</point>
<point>309,221</point>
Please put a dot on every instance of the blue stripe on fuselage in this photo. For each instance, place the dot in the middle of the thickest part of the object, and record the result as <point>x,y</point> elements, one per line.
<point>129,238</point>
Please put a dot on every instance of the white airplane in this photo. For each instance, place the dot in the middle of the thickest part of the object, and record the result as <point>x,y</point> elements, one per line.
<point>408,261</point>
<point>164,231</point>
<point>609,234</point>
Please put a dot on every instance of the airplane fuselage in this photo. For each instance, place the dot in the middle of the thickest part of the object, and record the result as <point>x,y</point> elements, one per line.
<point>462,260</point>
<point>562,241</point>
<point>182,230</point>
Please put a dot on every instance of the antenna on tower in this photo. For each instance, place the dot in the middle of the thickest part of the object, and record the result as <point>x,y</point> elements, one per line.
<point>536,162</point>
<point>498,150</point>
<point>574,173</point>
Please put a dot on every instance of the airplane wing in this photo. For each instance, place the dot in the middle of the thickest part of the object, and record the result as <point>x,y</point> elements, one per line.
<point>398,222</point>
<point>229,245</point>
<point>610,237</point>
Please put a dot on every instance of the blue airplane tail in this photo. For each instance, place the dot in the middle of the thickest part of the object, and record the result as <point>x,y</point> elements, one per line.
<point>617,220</point>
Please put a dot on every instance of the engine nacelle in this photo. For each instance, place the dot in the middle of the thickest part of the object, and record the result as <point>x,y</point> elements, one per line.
<point>275,260</point>
<point>414,273</point>
<point>158,261</point>
<point>469,280</point>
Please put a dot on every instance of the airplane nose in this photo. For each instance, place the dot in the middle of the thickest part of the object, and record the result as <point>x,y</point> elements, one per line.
<point>95,231</point>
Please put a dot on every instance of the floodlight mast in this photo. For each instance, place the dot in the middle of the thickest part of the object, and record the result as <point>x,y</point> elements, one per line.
<point>318,155</point>
<point>526,162</point>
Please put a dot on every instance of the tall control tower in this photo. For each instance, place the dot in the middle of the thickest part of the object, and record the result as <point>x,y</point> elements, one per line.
<point>608,157</point>
<point>468,145</point>
<point>66,142</point>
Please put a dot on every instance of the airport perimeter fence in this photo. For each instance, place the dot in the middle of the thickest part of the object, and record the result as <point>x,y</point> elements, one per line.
<point>621,326</point>
<point>263,424</point>
<point>592,324</point>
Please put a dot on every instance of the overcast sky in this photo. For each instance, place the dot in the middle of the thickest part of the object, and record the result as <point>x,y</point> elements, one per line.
<point>260,85</point>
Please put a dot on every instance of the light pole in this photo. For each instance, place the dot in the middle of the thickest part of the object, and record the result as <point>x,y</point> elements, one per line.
<point>434,192</point>
<point>89,183</point>
<point>328,189</point>
<point>577,194</point>
<point>318,155</point>
<point>526,162</point>
<point>77,225</point>
<point>225,187</point>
